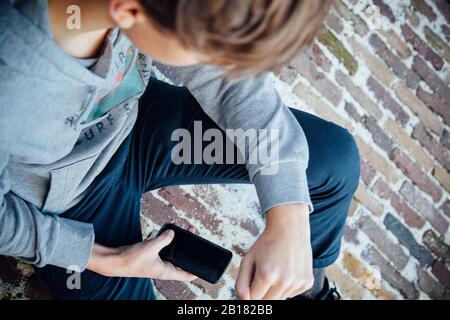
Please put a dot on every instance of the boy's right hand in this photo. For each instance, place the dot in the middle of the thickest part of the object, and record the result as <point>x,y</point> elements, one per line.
<point>140,260</point>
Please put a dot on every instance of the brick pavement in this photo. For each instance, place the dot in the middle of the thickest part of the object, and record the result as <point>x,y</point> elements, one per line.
<point>387,81</point>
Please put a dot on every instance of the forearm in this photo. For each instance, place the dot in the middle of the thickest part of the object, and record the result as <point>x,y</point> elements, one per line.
<point>105,260</point>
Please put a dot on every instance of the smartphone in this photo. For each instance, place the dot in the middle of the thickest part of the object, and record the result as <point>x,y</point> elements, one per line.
<point>195,254</point>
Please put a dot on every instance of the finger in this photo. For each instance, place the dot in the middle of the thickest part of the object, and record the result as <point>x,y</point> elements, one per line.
<point>163,240</point>
<point>260,285</point>
<point>244,279</point>
<point>275,292</point>
<point>173,273</point>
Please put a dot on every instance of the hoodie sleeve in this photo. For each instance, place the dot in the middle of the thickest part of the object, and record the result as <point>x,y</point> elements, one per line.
<point>25,232</point>
<point>37,238</point>
<point>253,104</point>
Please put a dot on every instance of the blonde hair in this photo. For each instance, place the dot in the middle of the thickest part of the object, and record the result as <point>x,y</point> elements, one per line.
<point>243,36</point>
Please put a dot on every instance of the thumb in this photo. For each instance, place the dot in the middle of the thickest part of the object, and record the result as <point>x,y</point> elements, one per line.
<point>163,240</point>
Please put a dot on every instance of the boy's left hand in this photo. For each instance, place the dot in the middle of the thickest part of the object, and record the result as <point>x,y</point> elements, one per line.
<point>279,264</point>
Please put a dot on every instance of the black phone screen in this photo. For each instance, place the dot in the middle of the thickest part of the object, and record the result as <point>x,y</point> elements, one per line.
<point>196,255</point>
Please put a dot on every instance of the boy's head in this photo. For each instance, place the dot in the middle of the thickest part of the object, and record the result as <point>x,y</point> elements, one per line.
<point>242,36</point>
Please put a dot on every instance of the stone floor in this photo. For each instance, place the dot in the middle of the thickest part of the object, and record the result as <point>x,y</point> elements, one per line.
<point>381,69</point>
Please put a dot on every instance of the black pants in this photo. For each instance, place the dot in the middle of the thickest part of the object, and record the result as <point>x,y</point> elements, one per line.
<point>143,163</point>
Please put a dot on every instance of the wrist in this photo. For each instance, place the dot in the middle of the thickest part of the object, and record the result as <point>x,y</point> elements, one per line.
<point>105,260</point>
<point>288,217</point>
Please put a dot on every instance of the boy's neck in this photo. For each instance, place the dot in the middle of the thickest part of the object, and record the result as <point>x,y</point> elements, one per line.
<point>87,41</point>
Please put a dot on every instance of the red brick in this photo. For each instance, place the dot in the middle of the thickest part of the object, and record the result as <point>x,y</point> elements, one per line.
<point>442,175</point>
<point>287,74</point>
<point>434,147</point>
<point>211,290</point>
<point>358,94</point>
<point>351,235</point>
<point>376,66</point>
<point>446,208</point>
<point>435,103</point>
<point>421,47</point>
<point>394,62</point>
<point>314,53</point>
<point>345,283</point>
<point>319,106</point>
<point>385,10</point>
<point>425,115</point>
<point>193,209</point>
<point>406,238</point>
<point>387,100</point>
<point>378,134</point>
<point>317,79</point>
<point>395,42</point>
<point>415,173</point>
<point>159,212</point>
<point>438,44</point>
<point>423,8</point>
<point>411,16</point>
<point>359,26</point>
<point>431,78</point>
<point>409,145</point>
<point>239,250</point>
<point>444,8</point>
<point>367,172</point>
<point>343,10</point>
<point>175,290</point>
<point>430,286</point>
<point>425,208</point>
<point>353,207</point>
<point>250,226</point>
<point>409,215</point>
<point>334,22</point>
<point>437,245</point>
<point>372,204</point>
<point>446,31</point>
<point>445,139</point>
<point>319,58</point>
<point>377,235</point>
<point>390,274</point>
<point>378,162</point>
<point>208,193</point>
<point>364,275</point>
<point>442,273</point>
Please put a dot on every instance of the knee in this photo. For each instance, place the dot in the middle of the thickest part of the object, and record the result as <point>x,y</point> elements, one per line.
<point>346,162</point>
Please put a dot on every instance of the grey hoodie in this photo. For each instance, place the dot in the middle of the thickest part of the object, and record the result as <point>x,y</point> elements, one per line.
<point>51,150</point>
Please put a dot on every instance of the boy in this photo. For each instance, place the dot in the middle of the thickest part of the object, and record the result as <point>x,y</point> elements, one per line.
<point>85,131</point>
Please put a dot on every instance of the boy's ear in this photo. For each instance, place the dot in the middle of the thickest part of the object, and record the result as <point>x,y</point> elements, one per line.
<point>125,13</point>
